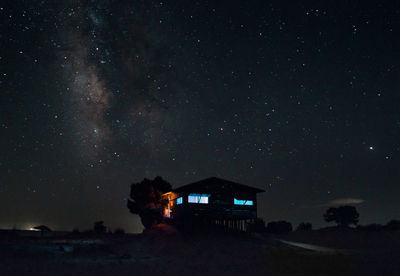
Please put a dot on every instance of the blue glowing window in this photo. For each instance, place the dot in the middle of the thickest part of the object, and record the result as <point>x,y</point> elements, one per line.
<point>242,202</point>
<point>198,198</point>
<point>179,200</point>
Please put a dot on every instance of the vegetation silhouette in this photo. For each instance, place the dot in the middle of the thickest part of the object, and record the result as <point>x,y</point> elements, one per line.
<point>99,227</point>
<point>42,228</point>
<point>393,225</point>
<point>279,227</point>
<point>119,231</point>
<point>257,226</point>
<point>343,215</point>
<point>146,200</point>
<point>304,226</point>
<point>370,227</point>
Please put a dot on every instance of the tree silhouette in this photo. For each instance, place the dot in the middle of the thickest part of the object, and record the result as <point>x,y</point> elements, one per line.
<point>393,225</point>
<point>99,227</point>
<point>146,200</point>
<point>304,226</point>
<point>343,215</point>
<point>119,231</point>
<point>279,227</point>
<point>42,228</point>
<point>258,225</point>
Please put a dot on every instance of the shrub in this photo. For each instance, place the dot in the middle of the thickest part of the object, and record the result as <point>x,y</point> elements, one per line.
<point>279,227</point>
<point>258,225</point>
<point>119,231</point>
<point>304,226</point>
<point>393,225</point>
<point>370,227</point>
<point>99,227</point>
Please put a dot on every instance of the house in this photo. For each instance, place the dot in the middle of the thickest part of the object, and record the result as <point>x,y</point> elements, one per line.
<point>215,200</point>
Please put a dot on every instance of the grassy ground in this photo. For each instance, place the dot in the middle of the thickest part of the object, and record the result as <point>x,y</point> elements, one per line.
<point>178,255</point>
<point>349,238</point>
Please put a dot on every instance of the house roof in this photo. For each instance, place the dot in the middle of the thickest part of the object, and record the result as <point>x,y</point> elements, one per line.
<point>218,182</point>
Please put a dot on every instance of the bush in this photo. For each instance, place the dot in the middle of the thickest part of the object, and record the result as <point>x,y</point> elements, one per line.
<point>393,225</point>
<point>75,231</point>
<point>99,227</point>
<point>151,217</point>
<point>258,226</point>
<point>119,231</point>
<point>279,227</point>
<point>370,227</point>
<point>304,226</point>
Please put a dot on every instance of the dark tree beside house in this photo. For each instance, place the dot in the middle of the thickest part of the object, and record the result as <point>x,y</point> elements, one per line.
<point>343,215</point>
<point>146,200</point>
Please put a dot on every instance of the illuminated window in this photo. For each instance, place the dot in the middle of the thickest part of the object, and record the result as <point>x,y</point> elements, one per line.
<point>242,202</point>
<point>198,198</point>
<point>179,200</point>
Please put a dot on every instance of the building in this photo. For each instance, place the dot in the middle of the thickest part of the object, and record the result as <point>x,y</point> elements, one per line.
<point>214,200</point>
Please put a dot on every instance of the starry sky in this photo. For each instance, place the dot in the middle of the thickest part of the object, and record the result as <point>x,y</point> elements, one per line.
<point>299,99</point>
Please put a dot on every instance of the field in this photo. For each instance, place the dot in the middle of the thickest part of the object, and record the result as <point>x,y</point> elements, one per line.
<point>207,254</point>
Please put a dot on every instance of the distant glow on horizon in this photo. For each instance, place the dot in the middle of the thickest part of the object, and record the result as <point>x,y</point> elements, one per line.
<point>30,228</point>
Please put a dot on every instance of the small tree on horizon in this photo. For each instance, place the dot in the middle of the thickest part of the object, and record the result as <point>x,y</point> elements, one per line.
<point>342,215</point>
<point>99,227</point>
<point>146,200</point>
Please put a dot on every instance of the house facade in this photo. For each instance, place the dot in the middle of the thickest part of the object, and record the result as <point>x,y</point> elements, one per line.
<point>216,200</point>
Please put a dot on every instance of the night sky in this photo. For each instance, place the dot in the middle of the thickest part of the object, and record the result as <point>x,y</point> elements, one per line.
<point>299,99</point>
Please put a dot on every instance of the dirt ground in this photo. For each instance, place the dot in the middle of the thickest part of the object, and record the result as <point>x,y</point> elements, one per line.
<point>177,254</point>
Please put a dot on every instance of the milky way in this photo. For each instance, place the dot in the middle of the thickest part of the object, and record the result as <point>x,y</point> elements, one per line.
<point>106,109</point>
<point>87,94</point>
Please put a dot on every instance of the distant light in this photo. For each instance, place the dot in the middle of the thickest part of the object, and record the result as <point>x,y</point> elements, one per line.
<point>371,147</point>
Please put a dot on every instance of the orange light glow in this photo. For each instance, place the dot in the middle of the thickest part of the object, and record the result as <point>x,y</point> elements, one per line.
<point>170,196</point>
